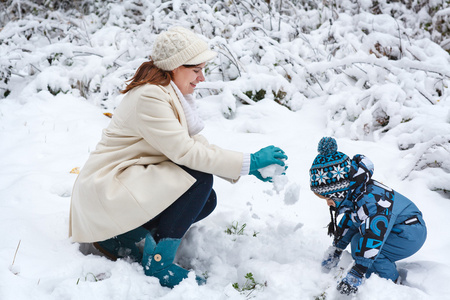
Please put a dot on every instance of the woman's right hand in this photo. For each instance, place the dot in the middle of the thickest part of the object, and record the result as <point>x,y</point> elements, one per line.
<point>265,157</point>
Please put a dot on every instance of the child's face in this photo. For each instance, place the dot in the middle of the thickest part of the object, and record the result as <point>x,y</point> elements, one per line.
<point>330,202</point>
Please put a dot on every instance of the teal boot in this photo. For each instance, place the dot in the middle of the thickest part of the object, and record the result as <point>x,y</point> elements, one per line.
<point>158,259</point>
<point>124,245</point>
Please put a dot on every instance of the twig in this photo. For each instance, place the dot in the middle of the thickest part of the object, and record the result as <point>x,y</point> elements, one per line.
<point>269,6</point>
<point>234,61</point>
<point>87,33</point>
<point>311,89</point>
<point>17,74</point>
<point>261,17</point>
<point>279,19</point>
<point>399,38</point>
<point>46,35</point>
<point>36,68</point>
<point>83,53</point>
<point>304,38</point>
<point>413,54</point>
<point>17,249</point>
<point>237,11</point>
<point>425,96</point>
<point>360,69</point>
<point>115,60</point>
<point>317,81</point>
<point>431,71</point>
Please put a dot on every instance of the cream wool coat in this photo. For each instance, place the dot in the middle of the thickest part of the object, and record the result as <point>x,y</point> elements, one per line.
<point>133,175</point>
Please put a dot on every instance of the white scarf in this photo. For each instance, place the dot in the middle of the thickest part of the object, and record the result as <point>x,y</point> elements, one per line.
<point>195,124</point>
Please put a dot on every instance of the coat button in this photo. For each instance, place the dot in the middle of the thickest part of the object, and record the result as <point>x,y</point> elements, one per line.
<point>157,257</point>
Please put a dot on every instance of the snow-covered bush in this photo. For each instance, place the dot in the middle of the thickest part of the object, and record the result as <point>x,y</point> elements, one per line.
<point>378,67</point>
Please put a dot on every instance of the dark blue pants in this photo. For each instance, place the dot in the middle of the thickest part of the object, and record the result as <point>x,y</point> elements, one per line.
<point>194,205</point>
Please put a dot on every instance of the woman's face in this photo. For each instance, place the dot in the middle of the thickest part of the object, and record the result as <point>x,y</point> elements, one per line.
<point>186,78</point>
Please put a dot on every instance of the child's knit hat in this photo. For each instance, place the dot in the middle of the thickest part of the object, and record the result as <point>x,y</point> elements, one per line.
<point>179,46</point>
<point>329,173</point>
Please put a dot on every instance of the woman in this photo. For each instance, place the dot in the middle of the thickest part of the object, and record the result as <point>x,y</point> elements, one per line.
<point>151,174</point>
<point>382,225</point>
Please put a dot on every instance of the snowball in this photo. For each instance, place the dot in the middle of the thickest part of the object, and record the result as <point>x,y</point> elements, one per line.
<point>279,182</point>
<point>292,193</point>
<point>271,171</point>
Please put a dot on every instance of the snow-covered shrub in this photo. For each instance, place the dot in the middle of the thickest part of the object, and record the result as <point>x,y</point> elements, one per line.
<point>377,67</point>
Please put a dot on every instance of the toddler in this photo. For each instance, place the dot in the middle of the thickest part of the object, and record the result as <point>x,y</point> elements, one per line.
<point>382,225</point>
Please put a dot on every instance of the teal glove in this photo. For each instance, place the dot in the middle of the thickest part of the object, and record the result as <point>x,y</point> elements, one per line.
<point>265,157</point>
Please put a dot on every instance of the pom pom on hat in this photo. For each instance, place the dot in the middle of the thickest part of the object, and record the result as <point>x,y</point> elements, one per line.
<point>327,146</point>
<point>329,173</point>
<point>179,46</point>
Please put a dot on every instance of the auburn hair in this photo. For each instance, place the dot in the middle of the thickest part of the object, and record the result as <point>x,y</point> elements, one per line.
<point>148,73</point>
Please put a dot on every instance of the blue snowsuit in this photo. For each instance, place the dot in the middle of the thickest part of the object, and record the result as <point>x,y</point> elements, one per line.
<point>382,225</point>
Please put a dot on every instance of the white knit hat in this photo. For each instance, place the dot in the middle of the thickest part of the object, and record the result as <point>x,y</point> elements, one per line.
<point>179,46</point>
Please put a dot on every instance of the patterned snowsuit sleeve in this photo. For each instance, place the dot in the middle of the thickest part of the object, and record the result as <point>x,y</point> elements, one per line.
<point>344,232</point>
<point>373,211</point>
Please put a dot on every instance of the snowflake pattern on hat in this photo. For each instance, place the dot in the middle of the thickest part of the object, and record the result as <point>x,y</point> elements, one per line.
<point>329,173</point>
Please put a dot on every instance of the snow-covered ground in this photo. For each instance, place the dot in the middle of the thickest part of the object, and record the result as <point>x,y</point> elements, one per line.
<point>282,243</point>
<point>379,94</point>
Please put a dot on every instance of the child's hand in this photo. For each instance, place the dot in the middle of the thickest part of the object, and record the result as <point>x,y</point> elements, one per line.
<point>331,259</point>
<point>351,282</point>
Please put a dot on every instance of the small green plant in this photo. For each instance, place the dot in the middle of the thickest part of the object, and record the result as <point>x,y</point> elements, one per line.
<point>205,274</point>
<point>54,57</point>
<point>86,277</point>
<point>250,285</point>
<point>234,229</point>
<point>322,296</point>
<point>256,95</point>
<point>279,96</point>
<point>6,93</point>
<point>52,91</point>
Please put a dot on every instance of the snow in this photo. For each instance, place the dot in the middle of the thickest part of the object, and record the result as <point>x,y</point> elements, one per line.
<point>395,111</point>
<point>51,135</point>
